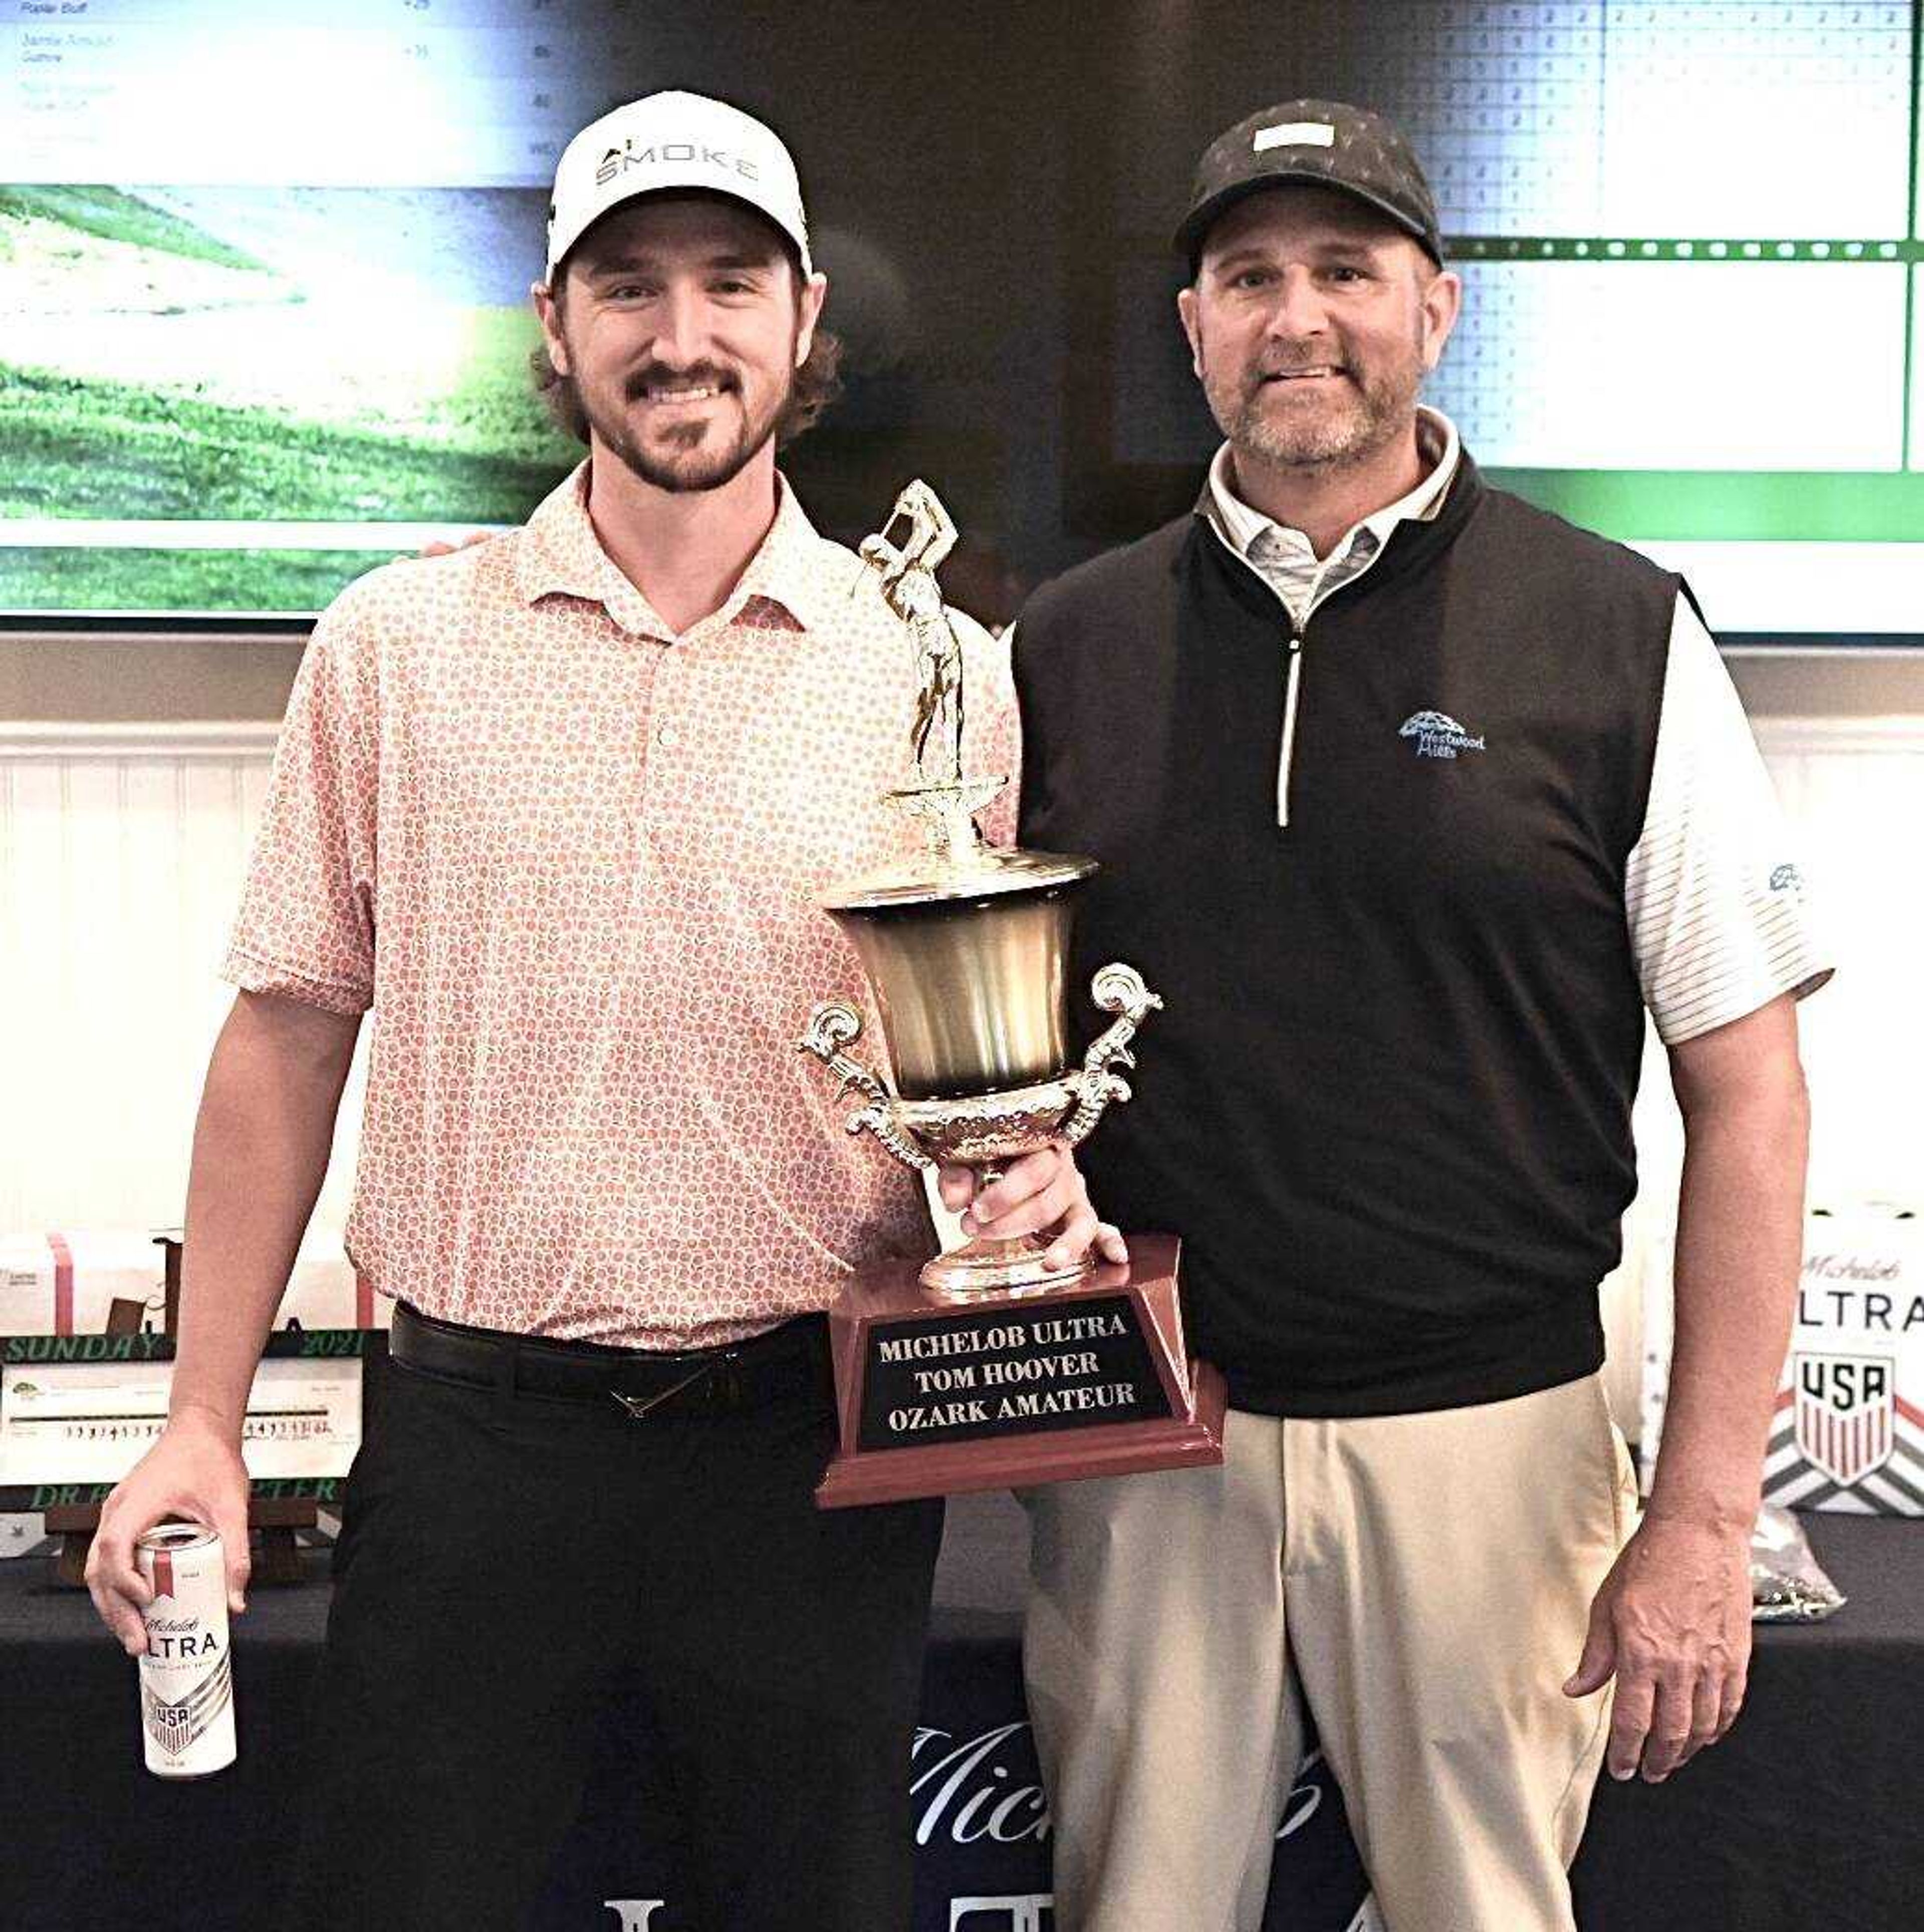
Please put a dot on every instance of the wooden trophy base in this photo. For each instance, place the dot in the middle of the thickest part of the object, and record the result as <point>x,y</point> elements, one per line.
<point>933,1398</point>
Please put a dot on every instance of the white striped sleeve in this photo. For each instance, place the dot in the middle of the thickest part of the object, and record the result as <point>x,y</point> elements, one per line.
<point>1714,893</point>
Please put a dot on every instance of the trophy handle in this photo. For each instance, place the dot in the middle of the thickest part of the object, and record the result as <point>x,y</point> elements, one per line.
<point>832,1027</point>
<point>1117,989</point>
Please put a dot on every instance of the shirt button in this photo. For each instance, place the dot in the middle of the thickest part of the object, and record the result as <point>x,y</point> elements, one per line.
<point>667,736</point>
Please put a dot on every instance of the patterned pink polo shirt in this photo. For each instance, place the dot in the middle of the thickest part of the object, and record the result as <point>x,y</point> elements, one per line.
<point>569,860</point>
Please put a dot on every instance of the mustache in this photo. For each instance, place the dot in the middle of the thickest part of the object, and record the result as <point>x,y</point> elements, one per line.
<point>651,374</point>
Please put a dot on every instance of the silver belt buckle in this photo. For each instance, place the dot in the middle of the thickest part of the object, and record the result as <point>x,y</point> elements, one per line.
<point>640,1406</point>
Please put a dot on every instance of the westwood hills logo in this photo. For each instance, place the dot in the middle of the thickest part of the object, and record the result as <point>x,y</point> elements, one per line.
<point>1438,735</point>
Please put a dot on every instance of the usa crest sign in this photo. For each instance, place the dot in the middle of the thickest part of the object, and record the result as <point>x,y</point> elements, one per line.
<point>1843,1406</point>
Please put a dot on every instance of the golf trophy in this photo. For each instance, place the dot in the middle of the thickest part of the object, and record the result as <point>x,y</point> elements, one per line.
<point>985,1368</point>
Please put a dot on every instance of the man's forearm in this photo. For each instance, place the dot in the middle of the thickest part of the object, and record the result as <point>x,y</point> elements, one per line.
<point>261,1145</point>
<point>1739,1248</point>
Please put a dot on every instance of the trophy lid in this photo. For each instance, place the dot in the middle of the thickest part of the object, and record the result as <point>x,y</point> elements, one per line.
<point>929,878</point>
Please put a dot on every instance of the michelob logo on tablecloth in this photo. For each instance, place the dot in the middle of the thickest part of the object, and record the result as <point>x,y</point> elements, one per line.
<point>1013,1911</point>
<point>982,1831</point>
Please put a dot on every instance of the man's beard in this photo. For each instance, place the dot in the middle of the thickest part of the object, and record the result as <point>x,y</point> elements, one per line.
<point>1372,414</point>
<point>689,457</point>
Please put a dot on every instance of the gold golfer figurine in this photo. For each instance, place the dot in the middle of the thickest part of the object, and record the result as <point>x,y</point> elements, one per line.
<point>905,556</point>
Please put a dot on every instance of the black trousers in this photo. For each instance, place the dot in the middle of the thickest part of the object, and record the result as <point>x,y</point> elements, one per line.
<point>504,1555</point>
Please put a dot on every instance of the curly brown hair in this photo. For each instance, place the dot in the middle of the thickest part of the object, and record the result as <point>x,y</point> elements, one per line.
<point>818,382</point>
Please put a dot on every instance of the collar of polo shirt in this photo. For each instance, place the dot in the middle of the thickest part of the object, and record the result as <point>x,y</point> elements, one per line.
<point>1241,526</point>
<point>559,555</point>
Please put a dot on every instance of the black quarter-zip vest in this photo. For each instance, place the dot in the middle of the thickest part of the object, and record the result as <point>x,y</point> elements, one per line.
<point>1387,1105</point>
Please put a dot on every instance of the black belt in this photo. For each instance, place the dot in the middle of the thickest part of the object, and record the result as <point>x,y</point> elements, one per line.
<point>788,1361</point>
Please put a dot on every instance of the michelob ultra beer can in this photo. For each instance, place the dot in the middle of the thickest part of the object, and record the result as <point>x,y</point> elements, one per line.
<point>186,1676</point>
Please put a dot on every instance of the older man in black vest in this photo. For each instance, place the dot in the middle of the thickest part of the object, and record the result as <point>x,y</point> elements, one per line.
<point>1411,800</point>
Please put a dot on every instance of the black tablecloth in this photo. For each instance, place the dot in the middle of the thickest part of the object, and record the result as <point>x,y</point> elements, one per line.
<point>1809,1814</point>
<point>1806,1817</point>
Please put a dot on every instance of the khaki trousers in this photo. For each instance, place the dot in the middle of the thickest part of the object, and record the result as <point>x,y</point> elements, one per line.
<point>1421,1582</point>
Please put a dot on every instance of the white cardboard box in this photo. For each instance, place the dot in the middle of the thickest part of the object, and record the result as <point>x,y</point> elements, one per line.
<point>64,1284</point>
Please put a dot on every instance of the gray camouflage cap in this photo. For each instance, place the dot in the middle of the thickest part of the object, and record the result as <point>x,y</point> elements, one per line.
<point>1326,143</point>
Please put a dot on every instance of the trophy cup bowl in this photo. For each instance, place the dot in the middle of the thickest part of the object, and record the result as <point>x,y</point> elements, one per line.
<point>966,959</point>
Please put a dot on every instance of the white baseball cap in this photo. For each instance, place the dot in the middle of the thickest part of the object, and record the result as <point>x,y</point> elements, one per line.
<point>669,141</point>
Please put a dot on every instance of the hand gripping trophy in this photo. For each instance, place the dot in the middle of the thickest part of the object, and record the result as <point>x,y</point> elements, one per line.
<point>965,947</point>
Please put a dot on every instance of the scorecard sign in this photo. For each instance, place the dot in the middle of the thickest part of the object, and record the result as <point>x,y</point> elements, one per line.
<point>1848,1431</point>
